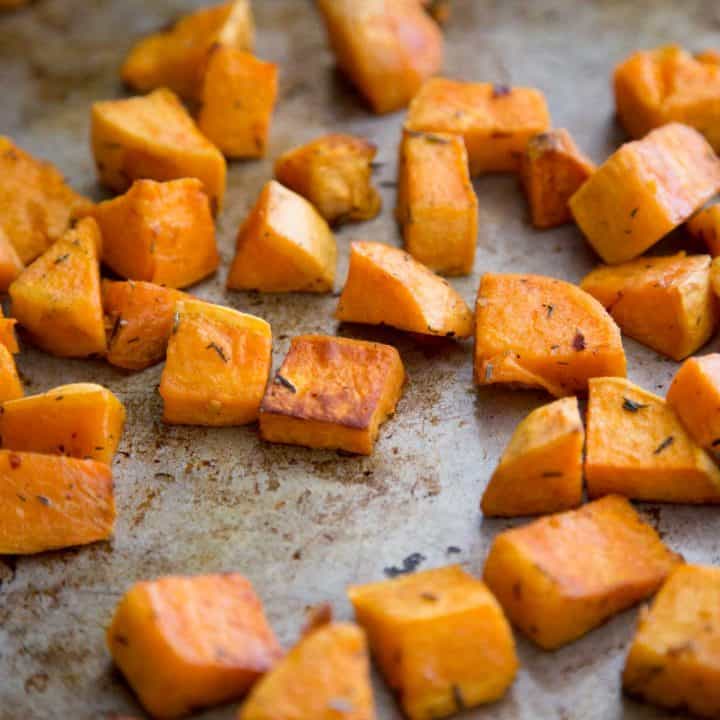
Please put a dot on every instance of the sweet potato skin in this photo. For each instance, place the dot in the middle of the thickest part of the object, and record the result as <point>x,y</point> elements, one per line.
<point>10,384</point>
<point>705,225</point>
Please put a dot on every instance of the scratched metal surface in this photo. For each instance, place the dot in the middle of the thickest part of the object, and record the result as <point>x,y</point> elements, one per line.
<point>302,524</point>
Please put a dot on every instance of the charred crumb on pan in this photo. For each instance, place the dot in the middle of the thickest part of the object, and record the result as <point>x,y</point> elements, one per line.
<point>453,550</point>
<point>409,564</point>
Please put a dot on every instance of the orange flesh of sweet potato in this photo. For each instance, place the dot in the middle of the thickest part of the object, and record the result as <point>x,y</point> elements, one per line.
<point>437,207</point>
<point>83,420</point>
<point>440,639</point>
<point>495,121</point>
<point>637,447</point>
<point>52,502</point>
<point>561,576</point>
<point>705,225</point>
<point>10,263</point>
<point>188,642</point>
<point>386,286</point>
<point>7,333</point>
<point>332,392</point>
<point>644,190</point>
<point>218,362</point>
<point>666,303</point>
<point>540,470</point>
<point>540,332</point>
<point>10,384</point>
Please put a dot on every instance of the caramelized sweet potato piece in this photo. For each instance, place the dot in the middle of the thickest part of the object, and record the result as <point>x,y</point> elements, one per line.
<point>644,190</point>
<point>10,384</point>
<point>284,245</point>
<point>563,575</point>
<point>440,639</point>
<point>539,332</point>
<point>332,392</point>
<point>495,121</point>
<point>188,642</point>
<point>7,333</point>
<point>153,137</point>
<point>57,298</point>
<point>52,502</point>
<point>436,206</point>
<point>637,447</point>
<point>666,303</point>
<point>10,263</point>
<point>333,172</point>
<point>218,363</point>
<point>705,225</point>
<point>540,470</point>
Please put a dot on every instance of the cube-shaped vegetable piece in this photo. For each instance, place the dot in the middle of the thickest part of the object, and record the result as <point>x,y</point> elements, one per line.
<point>540,470</point>
<point>237,100</point>
<point>161,232</point>
<point>334,173</point>
<point>284,245</point>
<point>387,286</point>
<point>10,263</point>
<point>217,367</point>
<point>496,121</point>
<point>82,420</point>
<point>188,642</point>
<point>705,225</point>
<point>539,332</point>
<point>332,392</point>
<point>436,206</point>
<point>637,447</point>
<point>440,639</point>
<point>139,319</point>
<point>176,57</point>
<point>386,47</point>
<point>36,205</point>
<point>644,190</point>
<point>153,137</point>
<point>7,333</point>
<point>563,575</point>
<point>57,298</point>
<point>674,658</point>
<point>52,502</point>
<point>10,384</point>
<point>666,303</point>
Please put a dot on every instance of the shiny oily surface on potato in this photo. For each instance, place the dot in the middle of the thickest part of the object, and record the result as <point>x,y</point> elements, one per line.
<point>304,524</point>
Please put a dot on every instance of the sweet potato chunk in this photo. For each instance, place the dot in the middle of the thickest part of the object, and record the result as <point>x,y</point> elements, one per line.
<point>437,207</point>
<point>153,137</point>
<point>386,286</point>
<point>387,48</point>
<point>637,447</point>
<point>540,470</point>
<point>51,502</point>
<point>189,642</point>
<point>674,659</point>
<point>666,303</point>
<point>7,333</point>
<point>218,363</point>
<point>495,121</point>
<point>333,172</point>
<point>440,639</point>
<point>644,190</point>
<point>10,384</point>
<point>563,575</point>
<point>539,332</point>
<point>705,225</point>
<point>10,263</point>
<point>83,420</point>
<point>57,298</point>
<point>284,245</point>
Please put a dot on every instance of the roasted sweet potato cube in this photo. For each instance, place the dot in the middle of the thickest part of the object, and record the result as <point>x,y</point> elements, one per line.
<point>540,470</point>
<point>218,363</point>
<point>83,420</point>
<point>57,298</point>
<point>284,245</point>
<point>386,286</point>
<point>52,502</point>
<point>332,392</point>
<point>437,207</point>
<point>334,173</point>
<point>674,660</point>
<point>153,137</point>
<point>188,642</point>
<point>440,639</point>
<point>555,593</point>
<point>10,263</point>
<point>539,332</point>
<point>496,121</point>
<point>637,447</point>
<point>10,384</point>
<point>666,303</point>
<point>7,333</point>
<point>644,190</point>
<point>705,225</point>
